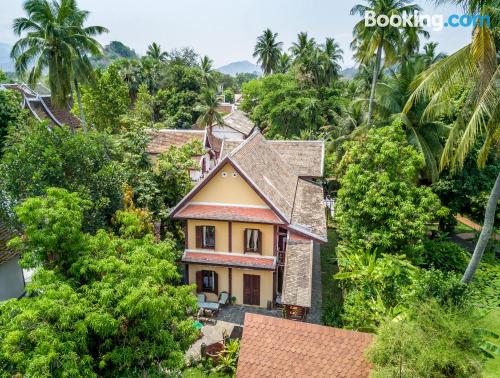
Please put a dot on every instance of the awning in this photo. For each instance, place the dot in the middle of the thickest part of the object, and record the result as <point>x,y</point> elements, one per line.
<point>229,213</point>
<point>229,259</point>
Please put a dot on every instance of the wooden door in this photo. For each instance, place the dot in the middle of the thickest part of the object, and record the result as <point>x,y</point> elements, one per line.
<point>251,289</point>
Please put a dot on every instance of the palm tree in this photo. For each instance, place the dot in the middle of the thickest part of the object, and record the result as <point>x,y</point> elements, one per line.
<point>56,39</point>
<point>268,51</point>
<point>410,44</point>
<point>155,53</point>
<point>149,73</point>
<point>373,40</point>
<point>209,114</point>
<point>474,70</point>
<point>207,72</point>
<point>334,54</point>
<point>303,47</point>
<point>429,55</point>
<point>284,64</point>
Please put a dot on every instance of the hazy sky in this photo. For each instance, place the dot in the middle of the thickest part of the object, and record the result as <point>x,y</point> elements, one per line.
<point>226,29</point>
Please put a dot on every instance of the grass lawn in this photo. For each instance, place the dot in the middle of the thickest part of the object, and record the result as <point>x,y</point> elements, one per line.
<point>492,322</point>
<point>462,228</point>
<point>199,373</point>
<point>332,294</point>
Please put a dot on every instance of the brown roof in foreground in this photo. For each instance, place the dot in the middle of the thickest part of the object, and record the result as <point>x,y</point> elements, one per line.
<point>5,253</point>
<point>305,156</point>
<point>273,347</point>
<point>162,139</point>
<point>297,281</point>
<point>230,259</point>
<point>230,213</point>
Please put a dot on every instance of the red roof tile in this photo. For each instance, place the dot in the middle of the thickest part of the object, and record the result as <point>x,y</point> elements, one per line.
<point>273,347</point>
<point>230,259</point>
<point>232,213</point>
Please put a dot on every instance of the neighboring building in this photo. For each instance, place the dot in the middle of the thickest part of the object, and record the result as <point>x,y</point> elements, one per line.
<point>11,274</point>
<point>252,223</point>
<point>273,347</point>
<point>162,139</point>
<point>236,126</point>
<point>41,108</point>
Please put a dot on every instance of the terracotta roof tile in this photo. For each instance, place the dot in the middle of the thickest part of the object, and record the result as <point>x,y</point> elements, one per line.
<point>273,347</point>
<point>231,213</point>
<point>230,259</point>
<point>162,139</point>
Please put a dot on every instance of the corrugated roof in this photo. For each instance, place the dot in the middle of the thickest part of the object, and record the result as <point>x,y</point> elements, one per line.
<point>297,281</point>
<point>273,347</point>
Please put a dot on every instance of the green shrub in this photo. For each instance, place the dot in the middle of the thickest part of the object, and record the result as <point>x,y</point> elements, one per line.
<point>443,255</point>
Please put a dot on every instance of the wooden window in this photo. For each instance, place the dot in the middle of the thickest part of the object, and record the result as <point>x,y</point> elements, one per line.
<point>282,237</point>
<point>251,289</point>
<point>253,240</point>
<point>207,281</point>
<point>205,237</point>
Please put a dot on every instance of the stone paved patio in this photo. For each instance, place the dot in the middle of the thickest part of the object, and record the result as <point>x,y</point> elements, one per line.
<point>236,314</point>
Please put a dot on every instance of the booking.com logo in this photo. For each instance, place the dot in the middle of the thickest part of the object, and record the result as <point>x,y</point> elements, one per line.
<point>435,21</point>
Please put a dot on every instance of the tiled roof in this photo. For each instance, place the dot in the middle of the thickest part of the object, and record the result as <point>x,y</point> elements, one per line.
<point>274,347</point>
<point>228,145</point>
<point>230,213</point>
<point>305,156</point>
<point>267,171</point>
<point>297,282</point>
<point>239,121</point>
<point>5,253</point>
<point>309,208</point>
<point>229,259</point>
<point>60,115</point>
<point>215,143</point>
<point>162,139</point>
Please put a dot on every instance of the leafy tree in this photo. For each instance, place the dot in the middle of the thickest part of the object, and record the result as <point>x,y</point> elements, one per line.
<point>369,41</point>
<point>474,70</point>
<point>3,77</point>
<point>141,115</point>
<point>433,342</point>
<point>56,39</point>
<point>117,311</point>
<point>380,206</point>
<point>10,113</point>
<point>209,115</point>
<point>107,101</point>
<point>267,51</point>
<point>155,53</point>
<point>229,95</point>
<point>36,158</point>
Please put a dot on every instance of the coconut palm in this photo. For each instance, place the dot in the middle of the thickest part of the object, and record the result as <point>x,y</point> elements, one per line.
<point>429,55</point>
<point>209,115</point>
<point>207,72</point>
<point>410,44</point>
<point>56,39</point>
<point>155,53</point>
<point>303,47</point>
<point>334,54</point>
<point>284,64</point>
<point>375,40</point>
<point>474,70</point>
<point>267,51</point>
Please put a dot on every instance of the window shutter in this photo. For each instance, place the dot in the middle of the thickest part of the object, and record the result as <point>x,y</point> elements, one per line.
<point>259,243</point>
<point>199,281</point>
<point>199,236</point>
<point>245,239</point>
<point>216,283</point>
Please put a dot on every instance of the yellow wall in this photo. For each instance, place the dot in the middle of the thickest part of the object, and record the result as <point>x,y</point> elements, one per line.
<point>266,282</point>
<point>229,189</point>
<point>238,237</point>
<point>221,233</point>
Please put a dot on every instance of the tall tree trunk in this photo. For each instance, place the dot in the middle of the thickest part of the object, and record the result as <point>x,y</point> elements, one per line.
<point>79,99</point>
<point>374,80</point>
<point>484,237</point>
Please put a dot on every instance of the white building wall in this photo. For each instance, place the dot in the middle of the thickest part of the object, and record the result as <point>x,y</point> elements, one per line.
<point>222,132</point>
<point>11,280</point>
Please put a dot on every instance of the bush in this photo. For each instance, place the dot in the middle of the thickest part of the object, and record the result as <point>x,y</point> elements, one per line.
<point>433,342</point>
<point>443,255</point>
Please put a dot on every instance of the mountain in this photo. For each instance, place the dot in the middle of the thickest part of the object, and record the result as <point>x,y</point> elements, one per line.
<point>243,66</point>
<point>349,73</point>
<point>115,50</point>
<point>6,64</point>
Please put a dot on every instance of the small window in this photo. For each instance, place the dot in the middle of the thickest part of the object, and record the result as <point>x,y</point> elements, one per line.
<point>224,174</point>
<point>205,237</point>
<point>253,240</point>
<point>208,282</point>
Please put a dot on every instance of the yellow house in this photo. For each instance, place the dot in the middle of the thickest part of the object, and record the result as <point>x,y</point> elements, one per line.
<point>253,221</point>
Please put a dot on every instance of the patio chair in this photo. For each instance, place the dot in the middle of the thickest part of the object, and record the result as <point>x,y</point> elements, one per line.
<point>223,298</point>
<point>201,298</point>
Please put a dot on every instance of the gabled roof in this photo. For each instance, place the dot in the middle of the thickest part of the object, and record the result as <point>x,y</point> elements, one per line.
<point>240,122</point>
<point>5,253</point>
<point>274,347</point>
<point>162,139</point>
<point>305,156</point>
<point>298,203</point>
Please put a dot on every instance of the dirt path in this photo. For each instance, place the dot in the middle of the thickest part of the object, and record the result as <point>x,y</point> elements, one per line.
<point>474,225</point>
